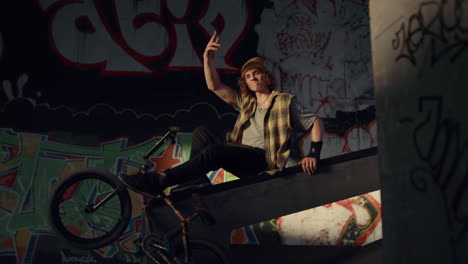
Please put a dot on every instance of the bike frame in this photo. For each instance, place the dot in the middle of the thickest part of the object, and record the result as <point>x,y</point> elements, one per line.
<point>144,167</point>
<point>182,228</point>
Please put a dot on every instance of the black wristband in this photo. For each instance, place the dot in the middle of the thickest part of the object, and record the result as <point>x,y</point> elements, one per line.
<point>315,148</point>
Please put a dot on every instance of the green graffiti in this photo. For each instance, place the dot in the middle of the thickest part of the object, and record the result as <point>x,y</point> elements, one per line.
<point>31,165</point>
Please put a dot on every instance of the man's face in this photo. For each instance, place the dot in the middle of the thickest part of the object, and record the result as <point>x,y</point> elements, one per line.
<point>256,80</point>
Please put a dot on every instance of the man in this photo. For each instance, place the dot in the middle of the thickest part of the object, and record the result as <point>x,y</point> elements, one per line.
<point>264,137</point>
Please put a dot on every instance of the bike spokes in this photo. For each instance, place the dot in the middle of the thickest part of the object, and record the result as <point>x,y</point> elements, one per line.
<point>77,214</point>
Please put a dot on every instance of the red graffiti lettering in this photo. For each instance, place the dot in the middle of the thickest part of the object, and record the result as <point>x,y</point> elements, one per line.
<point>138,37</point>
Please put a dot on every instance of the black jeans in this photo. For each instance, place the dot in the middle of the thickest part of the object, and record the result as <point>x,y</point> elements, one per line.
<point>210,152</point>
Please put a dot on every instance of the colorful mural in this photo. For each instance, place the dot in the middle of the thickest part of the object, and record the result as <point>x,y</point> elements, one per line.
<point>356,221</point>
<point>31,166</point>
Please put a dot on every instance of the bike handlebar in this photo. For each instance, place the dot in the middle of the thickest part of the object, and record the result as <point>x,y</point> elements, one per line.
<point>172,133</point>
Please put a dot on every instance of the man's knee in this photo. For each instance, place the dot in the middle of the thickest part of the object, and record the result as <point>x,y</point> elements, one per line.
<point>200,130</point>
<point>215,150</point>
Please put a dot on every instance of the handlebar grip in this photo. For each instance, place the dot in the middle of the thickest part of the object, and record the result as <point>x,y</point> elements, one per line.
<point>202,210</point>
<point>173,133</point>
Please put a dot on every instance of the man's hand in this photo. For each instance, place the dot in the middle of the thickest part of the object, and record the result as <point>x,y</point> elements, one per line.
<point>309,165</point>
<point>212,46</point>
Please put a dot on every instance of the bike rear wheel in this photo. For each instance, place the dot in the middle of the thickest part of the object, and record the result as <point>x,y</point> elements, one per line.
<point>202,252</point>
<point>205,252</point>
<point>71,212</point>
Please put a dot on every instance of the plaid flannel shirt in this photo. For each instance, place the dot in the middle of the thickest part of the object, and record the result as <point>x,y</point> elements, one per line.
<point>278,128</point>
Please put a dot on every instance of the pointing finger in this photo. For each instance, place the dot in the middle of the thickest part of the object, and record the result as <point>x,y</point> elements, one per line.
<point>214,35</point>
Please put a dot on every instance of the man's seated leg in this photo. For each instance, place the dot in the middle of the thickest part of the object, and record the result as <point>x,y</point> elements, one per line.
<point>192,184</point>
<point>237,159</point>
<point>148,184</point>
<point>202,137</point>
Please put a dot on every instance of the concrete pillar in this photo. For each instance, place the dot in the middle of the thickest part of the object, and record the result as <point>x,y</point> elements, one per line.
<point>420,64</point>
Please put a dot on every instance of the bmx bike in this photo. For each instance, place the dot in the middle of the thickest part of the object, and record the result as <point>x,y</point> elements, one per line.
<point>91,209</point>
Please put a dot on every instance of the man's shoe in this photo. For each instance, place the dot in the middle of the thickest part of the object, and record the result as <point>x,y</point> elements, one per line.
<point>146,184</point>
<point>185,187</point>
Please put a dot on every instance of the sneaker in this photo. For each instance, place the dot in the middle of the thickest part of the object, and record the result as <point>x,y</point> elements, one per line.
<point>185,187</point>
<point>146,184</point>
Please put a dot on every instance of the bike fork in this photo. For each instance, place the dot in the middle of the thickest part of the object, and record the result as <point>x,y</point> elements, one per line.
<point>91,208</point>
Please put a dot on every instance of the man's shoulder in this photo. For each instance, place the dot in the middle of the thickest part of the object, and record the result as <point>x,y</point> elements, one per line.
<point>283,95</point>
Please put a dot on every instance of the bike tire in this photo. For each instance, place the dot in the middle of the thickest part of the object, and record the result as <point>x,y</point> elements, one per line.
<point>202,252</point>
<point>206,252</point>
<point>89,230</point>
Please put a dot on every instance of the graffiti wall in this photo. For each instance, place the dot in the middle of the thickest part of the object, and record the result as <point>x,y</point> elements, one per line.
<point>95,83</point>
<point>420,58</point>
<point>356,221</point>
<point>32,164</point>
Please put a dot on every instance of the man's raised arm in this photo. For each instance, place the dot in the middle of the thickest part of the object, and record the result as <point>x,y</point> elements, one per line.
<point>226,93</point>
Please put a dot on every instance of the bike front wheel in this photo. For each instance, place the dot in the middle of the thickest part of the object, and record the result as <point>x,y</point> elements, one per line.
<point>90,209</point>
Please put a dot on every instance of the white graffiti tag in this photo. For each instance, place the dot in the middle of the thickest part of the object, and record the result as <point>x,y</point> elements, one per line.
<point>320,51</point>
